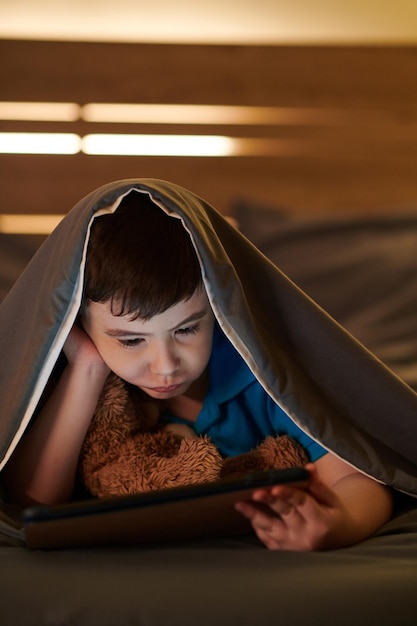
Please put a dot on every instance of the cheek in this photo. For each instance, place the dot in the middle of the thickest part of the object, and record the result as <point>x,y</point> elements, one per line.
<point>202,353</point>
<point>113,357</point>
<point>122,365</point>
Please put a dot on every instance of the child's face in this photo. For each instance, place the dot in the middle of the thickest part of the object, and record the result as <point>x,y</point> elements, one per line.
<point>164,355</point>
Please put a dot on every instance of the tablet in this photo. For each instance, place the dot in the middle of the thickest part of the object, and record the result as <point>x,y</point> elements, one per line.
<point>180,513</point>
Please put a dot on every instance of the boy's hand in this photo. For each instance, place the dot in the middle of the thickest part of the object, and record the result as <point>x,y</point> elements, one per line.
<point>79,348</point>
<point>318,517</point>
<point>291,518</point>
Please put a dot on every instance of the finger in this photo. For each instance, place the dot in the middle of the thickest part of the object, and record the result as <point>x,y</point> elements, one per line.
<point>284,502</point>
<point>260,517</point>
<point>271,530</point>
<point>274,531</point>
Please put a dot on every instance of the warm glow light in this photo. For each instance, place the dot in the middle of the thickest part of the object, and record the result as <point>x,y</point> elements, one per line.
<point>157,145</point>
<point>147,145</point>
<point>131,144</point>
<point>201,114</point>
<point>39,143</point>
<point>28,224</point>
<point>224,22</point>
<point>40,111</point>
<point>204,114</point>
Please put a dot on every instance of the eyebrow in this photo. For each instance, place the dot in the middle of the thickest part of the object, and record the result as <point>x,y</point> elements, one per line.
<point>123,332</point>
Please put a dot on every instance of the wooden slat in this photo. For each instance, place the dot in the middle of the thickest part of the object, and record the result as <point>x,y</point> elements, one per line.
<point>46,184</point>
<point>256,75</point>
<point>366,159</point>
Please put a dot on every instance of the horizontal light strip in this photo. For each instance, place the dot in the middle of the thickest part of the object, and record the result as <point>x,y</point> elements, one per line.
<point>186,145</point>
<point>158,145</point>
<point>40,111</point>
<point>201,114</point>
<point>146,145</point>
<point>28,224</point>
<point>40,143</point>
<point>129,113</point>
<point>116,144</point>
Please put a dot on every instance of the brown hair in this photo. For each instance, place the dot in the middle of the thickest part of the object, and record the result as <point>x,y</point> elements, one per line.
<point>140,259</point>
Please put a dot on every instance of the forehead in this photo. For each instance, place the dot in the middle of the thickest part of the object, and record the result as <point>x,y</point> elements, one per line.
<point>101,317</point>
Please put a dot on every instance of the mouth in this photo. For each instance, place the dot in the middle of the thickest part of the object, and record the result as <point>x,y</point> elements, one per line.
<point>167,389</point>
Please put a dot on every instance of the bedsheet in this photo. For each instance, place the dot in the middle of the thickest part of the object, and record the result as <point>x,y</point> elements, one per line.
<point>227,582</point>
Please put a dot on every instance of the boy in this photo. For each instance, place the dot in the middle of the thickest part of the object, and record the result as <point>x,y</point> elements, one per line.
<point>146,316</point>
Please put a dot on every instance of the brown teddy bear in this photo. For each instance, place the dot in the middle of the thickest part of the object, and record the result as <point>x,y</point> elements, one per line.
<point>129,449</point>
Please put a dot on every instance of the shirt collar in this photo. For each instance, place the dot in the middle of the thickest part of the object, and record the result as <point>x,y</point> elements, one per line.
<point>229,374</point>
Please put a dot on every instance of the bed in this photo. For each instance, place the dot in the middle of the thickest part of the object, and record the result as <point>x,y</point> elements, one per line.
<point>363,271</point>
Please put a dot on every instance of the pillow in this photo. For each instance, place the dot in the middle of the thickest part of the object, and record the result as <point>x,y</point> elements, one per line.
<point>360,269</point>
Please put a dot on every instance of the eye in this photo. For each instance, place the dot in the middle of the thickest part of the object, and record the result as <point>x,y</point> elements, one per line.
<point>130,343</point>
<point>188,330</point>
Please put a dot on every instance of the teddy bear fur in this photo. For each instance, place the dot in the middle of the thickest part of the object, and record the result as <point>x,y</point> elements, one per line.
<point>129,449</point>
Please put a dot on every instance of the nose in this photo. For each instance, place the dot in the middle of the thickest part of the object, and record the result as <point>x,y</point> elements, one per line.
<point>163,359</point>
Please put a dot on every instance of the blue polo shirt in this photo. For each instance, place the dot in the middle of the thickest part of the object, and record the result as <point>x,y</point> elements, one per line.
<point>237,413</point>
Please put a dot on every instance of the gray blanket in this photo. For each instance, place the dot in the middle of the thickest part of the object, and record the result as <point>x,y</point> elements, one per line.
<point>226,583</point>
<point>332,387</point>
<point>326,381</point>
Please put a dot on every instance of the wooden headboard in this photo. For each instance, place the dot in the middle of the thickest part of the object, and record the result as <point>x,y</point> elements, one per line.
<point>351,144</point>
